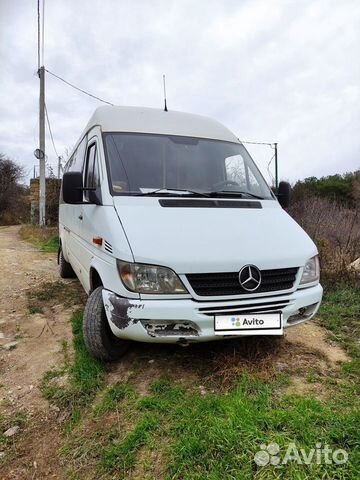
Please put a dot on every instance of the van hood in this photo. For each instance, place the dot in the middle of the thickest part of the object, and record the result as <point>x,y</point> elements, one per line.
<point>196,240</point>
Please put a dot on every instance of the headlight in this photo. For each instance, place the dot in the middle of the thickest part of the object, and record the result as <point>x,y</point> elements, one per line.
<point>141,278</point>
<point>311,271</point>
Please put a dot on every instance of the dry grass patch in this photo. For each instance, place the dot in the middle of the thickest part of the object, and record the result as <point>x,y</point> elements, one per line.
<point>46,238</point>
<point>50,294</point>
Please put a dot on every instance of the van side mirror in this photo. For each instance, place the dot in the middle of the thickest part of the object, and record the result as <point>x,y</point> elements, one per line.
<point>72,187</point>
<point>283,194</point>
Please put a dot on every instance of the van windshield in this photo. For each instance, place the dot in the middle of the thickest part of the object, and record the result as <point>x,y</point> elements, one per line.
<point>143,164</point>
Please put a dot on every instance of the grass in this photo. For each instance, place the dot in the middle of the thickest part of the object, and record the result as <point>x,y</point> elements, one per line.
<point>173,431</point>
<point>75,385</point>
<point>115,394</point>
<point>51,293</point>
<point>46,238</point>
<point>217,436</point>
<point>18,418</point>
<point>340,313</point>
<point>33,309</point>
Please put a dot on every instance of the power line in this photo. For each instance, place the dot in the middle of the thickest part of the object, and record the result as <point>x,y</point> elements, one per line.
<point>27,174</point>
<point>79,89</point>
<point>273,146</point>
<point>257,143</point>
<point>51,135</point>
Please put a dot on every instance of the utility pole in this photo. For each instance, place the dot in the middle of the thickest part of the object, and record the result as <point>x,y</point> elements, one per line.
<point>42,189</point>
<point>276,168</point>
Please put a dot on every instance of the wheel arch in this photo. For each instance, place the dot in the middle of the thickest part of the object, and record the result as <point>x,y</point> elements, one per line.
<point>59,250</point>
<point>105,272</point>
<point>95,279</point>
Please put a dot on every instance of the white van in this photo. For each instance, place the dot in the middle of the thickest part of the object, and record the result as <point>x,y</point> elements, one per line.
<point>176,237</point>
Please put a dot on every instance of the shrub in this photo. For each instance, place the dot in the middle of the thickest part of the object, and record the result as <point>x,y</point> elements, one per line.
<point>336,231</point>
<point>14,197</point>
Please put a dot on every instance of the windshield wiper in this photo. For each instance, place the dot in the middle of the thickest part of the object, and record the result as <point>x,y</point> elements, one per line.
<point>218,193</point>
<point>192,193</point>
<point>173,191</point>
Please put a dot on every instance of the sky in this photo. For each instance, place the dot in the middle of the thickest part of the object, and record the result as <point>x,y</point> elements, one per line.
<point>285,71</point>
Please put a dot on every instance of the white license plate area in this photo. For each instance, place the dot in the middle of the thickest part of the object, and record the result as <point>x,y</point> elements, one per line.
<point>249,324</point>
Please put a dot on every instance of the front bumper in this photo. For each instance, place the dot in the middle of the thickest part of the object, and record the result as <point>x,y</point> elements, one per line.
<point>186,320</point>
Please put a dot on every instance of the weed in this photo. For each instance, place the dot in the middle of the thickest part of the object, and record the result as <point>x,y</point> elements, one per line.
<point>18,418</point>
<point>122,456</point>
<point>35,309</point>
<point>340,313</point>
<point>65,351</point>
<point>49,294</point>
<point>312,377</point>
<point>115,394</point>
<point>84,378</point>
<point>44,238</point>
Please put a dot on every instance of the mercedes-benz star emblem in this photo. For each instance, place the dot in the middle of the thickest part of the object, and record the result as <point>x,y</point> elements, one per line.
<point>250,278</point>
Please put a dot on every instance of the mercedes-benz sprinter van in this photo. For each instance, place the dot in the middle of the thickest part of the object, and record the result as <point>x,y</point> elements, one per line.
<point>175,235</point>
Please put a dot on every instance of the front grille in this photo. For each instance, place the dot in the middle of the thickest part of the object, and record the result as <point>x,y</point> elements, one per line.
<point>218,284</point>
<point>241,308</point>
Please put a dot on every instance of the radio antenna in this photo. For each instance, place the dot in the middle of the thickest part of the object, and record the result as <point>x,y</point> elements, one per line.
<point>165,104</point>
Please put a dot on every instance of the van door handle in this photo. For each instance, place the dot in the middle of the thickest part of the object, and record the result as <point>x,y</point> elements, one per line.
<point>80,217</point>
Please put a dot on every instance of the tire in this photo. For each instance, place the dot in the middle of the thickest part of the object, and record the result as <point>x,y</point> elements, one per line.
<point>98,337</point>
<point>66,270</point>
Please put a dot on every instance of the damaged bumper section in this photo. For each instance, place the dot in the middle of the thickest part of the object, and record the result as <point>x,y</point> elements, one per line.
<point>187,320</point>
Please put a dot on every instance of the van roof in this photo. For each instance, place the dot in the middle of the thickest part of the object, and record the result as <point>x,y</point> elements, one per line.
<point>153,120</point>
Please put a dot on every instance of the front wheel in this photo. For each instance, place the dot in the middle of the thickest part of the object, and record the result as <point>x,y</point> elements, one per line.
<point>98,337</point>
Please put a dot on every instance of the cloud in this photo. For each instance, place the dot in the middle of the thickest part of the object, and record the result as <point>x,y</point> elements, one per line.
<point>271,71</point>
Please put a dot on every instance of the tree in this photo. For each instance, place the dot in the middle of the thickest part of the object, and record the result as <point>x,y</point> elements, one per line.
<point>13,195</point>
<point>339,188</point>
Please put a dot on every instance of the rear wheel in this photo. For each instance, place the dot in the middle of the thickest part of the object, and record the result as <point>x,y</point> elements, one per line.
<point>99,339</point>
<point>66,270</point>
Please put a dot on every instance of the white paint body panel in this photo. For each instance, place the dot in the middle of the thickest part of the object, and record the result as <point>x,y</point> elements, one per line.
<point>197,240</point>
<point>154,120</point>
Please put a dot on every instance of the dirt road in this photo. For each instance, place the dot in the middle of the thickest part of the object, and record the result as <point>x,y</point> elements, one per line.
<point>29,344</point>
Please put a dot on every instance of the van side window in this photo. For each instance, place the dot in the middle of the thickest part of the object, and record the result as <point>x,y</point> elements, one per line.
<point>92,169</point>
<point>76,162</point>
<point>80,156</point>
<point>70,163</point>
